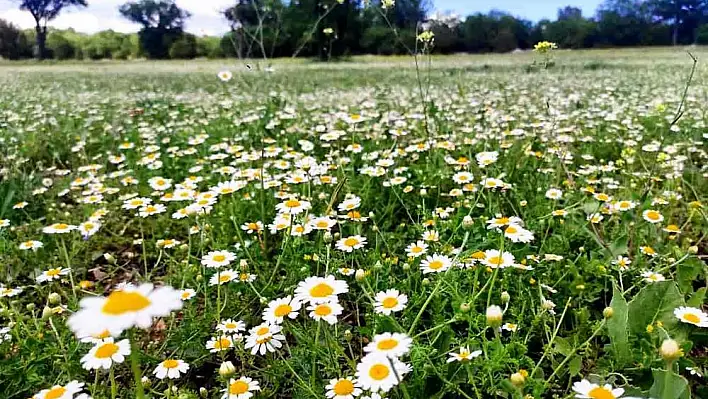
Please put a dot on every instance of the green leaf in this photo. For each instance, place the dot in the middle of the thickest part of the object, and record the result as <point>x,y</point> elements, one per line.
<point>619,247</point>
<point>687,272</point>
<point>575,364</point>
<point>668,385</point>
<point>697,298</point>
<point>617,327</point>
<point>562,346</point>
<point>655,302</point>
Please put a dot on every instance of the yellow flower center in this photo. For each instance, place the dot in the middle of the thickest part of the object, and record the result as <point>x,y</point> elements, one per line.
<point>350,242</point>
<point>390,302</point>
<point>55,393</point>
<point>263,340</point>
<point>343,387</point>
<point>322,224</point>
<point>61,226</point>
<point>379,372</point>
<point>222,343</point>
<point>262,331</point>
<point>293,203</point>
<point>323,310</point>
<point>106,350</point>
<point>478,255</point>
<point>601,393</point>
<point>464,355</point>
<point>416,250</point>
<point>53,272</point>
<point>435,265</point>
<point>121,302</point>
<point>283,310</point>
<point>224,278</point>
<point>230,326</point>
<point>511,230</point>
<point>136,202</point>
<point>387,344</point>
<point>502,221</point>
<point>602,197</point>
<point>354,215</point>
<point>653,215</point>
<point>691,318</point>
<point>238,387</point>
<point>496,260</point>
<point>170,364</point>
<point>321,290</point>
<point>218,258</point>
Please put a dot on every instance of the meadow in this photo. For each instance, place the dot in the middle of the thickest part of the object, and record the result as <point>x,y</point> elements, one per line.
<point>511,226</point>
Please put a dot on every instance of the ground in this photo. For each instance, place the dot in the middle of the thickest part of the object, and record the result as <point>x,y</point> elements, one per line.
<point>464,226</point>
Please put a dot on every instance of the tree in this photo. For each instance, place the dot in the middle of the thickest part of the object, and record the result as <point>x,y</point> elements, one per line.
<point>162,22</point>
<point>686,14</point>
<point>44,11</point>
<point>13,42</point>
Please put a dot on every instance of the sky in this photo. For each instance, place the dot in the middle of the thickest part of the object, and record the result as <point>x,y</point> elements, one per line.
<point>103,14</point>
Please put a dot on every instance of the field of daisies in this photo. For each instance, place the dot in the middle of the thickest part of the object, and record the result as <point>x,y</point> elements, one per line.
<point>478,227</point>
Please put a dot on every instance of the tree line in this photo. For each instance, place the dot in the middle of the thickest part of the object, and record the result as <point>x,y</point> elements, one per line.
<point>335,28</point>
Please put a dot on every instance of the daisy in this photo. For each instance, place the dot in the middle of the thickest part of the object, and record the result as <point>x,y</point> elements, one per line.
<point>624,205</point>
<point>322,223</point>
<point>31,244</point>
<point>431,236</point>
<point>170,368</point>
<point>343,388</point>
<point>105,353</point>
<point>462,177</point>
<point>652,277</point>
<point>252,227</point>
<point>389,301</point>
<point>167,243</point>
<point>223,277</point>
<point>124,308</point>
<point>60,391</point>
<point>554,193</point>
<point>53,274</point>
<point>435,263</point>
<point>230,327</point>
<point>390,344</point>
<point>464,355</point>
<point>652,216</point>
<point>187,294</point>
<point>4,223</point>
<point>647,250</point>
<point>320,289</point>
<point>225,76</point>
<point>491,183</point>
<point>486,158</point>
<point>264,338</point>
<point>690,315</point>
<point>58,228</point>
<point>241,388</point>
<point>518,234</point>
<point>293,206</point>
<point>416,249</point>
<point>220,343</point>
<point>149,210</point>
<point>87,229</point>
<point>349,204</point>
<point>327,311</point>
<point>559,212</point>
<point>501,221</point>
<point>672,229</point>
<point>160,183</point>
<point>218,258</point>
<point>376,372</point>
<point>511,327</point>
<point>351,243</point>
<point>9,292</point>
<point>136,203</point>
<point>586,390</point>
<point>622,262</point>
<point>495,259</point>
<point>281,308</point>
<point>346,271</point>
<point>595,218</point>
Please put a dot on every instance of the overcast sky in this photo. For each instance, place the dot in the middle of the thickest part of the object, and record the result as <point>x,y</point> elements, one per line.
<point>103,14</point>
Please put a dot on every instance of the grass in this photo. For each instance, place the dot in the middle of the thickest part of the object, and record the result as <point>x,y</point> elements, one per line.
<point>585,301</point>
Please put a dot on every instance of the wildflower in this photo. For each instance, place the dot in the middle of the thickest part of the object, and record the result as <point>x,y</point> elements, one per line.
<point>672,229</point>
<point>58,228</point>
<point>462,177</point>
<point>518,234</point>
<point>218,258</point>
<point>227,369</point>
<point>511,327</point>
<point>320,289</point>
<point>241,389</point>
<point>327,311</point>
<point>544,47</point>
<point>416,249</point>
<point>60,391</point>
<point>431,236</point>
<point>652,216</point>
<point>586,390</point>
<point>343,388</point>
<point>486,158</point>
<point>652,277</point>
<point>495,259</point>
<point>377,372</point>
<point>463,355</point>
<point>322,223</point>
<point>187,294</point>
<point>559,212</point>
<point>390,344</point>
<point>225,76</point>
<point>124,308</point>
<point>31,244</point>
<point>279,309</point>
<point>170,368</point>
<point>87,229</point>
<point>252,227</point>
<point>229,326</point>
<point>136,203</point>
<point>220,343</point>
<point>264,338</point>
<point>501,221</point>
<point>349,204</point>
<point>167,243</point>
<point>386,4</point>
<point>387,302</point>
<point>105,353</point>
<point>435,263</point>
<point>670,350</point>
<point>223,277</point>
<point>622,262</point>
<point>690,315</point>
<point>293,206</point>
<point>351,243</point>
<point>595,218</point>
<point>149,210</point>
<point>494,315</point>
<point>53,274</point>
<point>554,193</point>
<point>647,250</point>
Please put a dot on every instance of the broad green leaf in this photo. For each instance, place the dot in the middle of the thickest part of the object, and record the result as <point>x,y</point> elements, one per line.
<point>617,327</point>
<point>619,247</point>
<point>687,272</point>
<point>668,385</point>
<point>697,298</point>
<point>562,346</point>
<point>655,302</point>
<point>575,364</point>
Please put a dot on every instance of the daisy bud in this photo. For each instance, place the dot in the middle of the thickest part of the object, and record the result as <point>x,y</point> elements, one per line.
<point>54,298</point>
<point>494,316</point>
<point>378,265</point>
<point>109,258</point>
<point>670,350</point>
<point>203,392</point>
<point>360,275</point>
<point>505,297</point>
<point>200,278</point>
<point>423,192</point>
<point>464,307</point>
<point>406,266</point>
<point>327,237</point>
<point>47,313</point>
<point>517,379</point>
<point>146,382</point>
<point>425,282</point>
<point>693,249</point>
<point>608,312</point>
<point>467,221</point>
<point>30,307</point>
<point>371,214</point>
<point>227,369</point>
<point>523,203</point>
<point>348,334</point>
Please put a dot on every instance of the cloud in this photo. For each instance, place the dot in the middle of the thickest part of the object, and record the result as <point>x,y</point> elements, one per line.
<point>206,17</point>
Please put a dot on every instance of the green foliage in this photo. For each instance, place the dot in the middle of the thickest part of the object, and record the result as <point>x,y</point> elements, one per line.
<point>617,327</point>
<point>668,385</point>
<point>656,302</point>
<point>13,42</point>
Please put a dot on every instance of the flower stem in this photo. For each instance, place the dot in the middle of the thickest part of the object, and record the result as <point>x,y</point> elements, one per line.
<point>135,366</point>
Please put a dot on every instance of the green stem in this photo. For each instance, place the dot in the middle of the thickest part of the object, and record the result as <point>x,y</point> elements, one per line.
<point>135,366</point>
